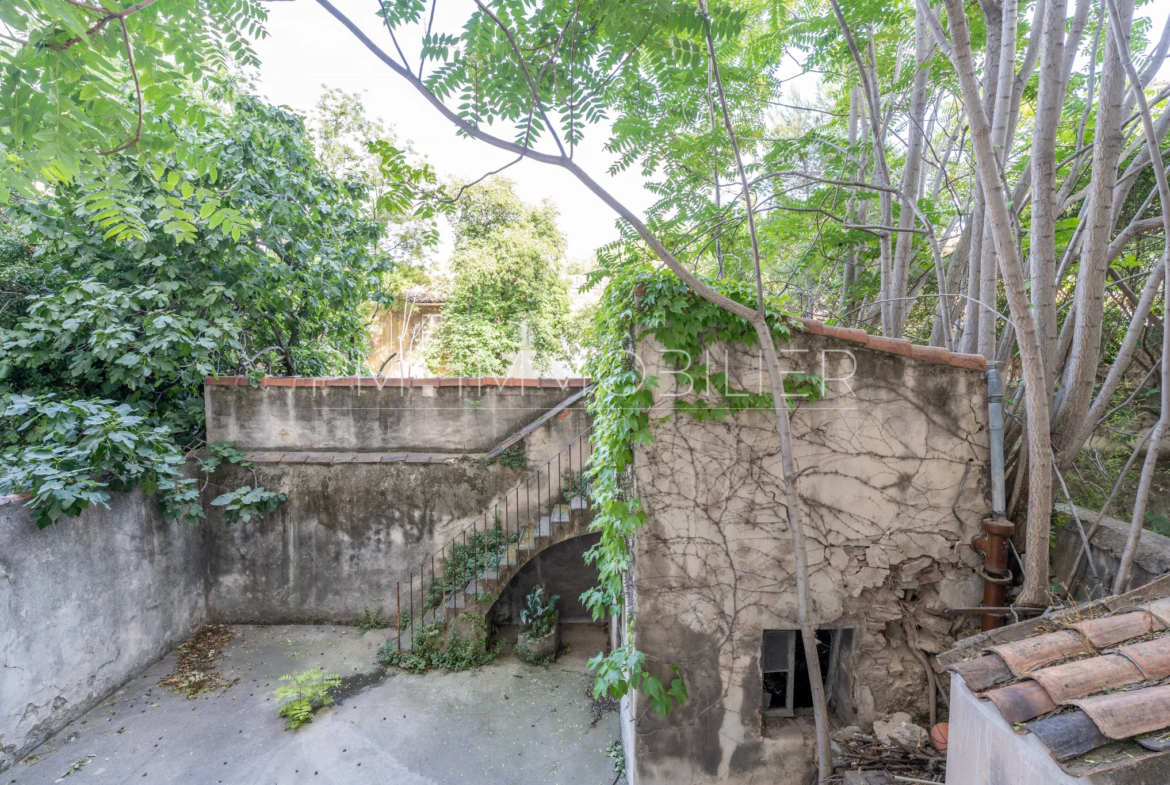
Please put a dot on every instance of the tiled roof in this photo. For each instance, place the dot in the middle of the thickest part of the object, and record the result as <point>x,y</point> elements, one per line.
<point>900,346</point>
<point>1078,684</point>
<point>393,382</point>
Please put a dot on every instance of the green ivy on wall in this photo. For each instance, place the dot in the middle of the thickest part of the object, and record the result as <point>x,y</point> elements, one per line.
<point>638,299</point>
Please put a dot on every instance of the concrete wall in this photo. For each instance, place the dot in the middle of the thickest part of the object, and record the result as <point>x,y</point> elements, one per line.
<point>432,415</point>
<point>560,569</point>
<point>1151,560</point>
<point>343,538</point>
<point>90,601</point>
<point>84,605</point>
<point>350,530</point>
<point>884,457</point>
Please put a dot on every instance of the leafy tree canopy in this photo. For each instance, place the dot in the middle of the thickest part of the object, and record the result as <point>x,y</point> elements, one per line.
<point>508,289</point>
<point>277,278</point>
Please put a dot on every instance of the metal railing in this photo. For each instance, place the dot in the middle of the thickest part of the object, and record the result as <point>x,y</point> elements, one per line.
<point>503,540</point>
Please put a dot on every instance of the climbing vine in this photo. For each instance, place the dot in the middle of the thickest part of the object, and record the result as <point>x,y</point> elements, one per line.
<point>640,298</point>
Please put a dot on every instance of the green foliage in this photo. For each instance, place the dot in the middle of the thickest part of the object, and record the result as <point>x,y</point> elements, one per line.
<point>621,671</point>
<point>639,298</point>
<point>72,454</point>
<point>575,485</point>
<point>513,457</point>
<point>464,562</point>
<point>540,613</point>
<point>70,101</point>
<point>304,694</point>
<point>372,621</point>
<point>508,290</point>
<point>438,646</point>
<point>116,333</point>
<point>616,751</point>
<point>244,503</point>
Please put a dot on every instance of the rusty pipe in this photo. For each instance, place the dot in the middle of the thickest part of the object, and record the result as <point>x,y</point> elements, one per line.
<point>993,544</point>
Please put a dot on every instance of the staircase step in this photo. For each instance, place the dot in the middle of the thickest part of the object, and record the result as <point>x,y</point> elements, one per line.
<point>560,513</point>
<point>456,602</point>
<point>544,527</point>
<point>579,503</point>
<point>478,586</point>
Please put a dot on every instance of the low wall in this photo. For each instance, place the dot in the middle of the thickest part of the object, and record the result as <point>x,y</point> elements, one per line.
<point>374,415</point>
<point>1151,561</point>
<point>84,605</point>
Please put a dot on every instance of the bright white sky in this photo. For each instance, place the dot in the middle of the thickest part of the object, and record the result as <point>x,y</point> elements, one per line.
<point>308,48</point>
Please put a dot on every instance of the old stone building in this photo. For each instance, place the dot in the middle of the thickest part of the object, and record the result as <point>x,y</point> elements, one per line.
<point>893,482</point>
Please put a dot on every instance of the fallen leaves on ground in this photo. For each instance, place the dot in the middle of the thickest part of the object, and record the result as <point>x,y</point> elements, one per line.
<point>195,672</point>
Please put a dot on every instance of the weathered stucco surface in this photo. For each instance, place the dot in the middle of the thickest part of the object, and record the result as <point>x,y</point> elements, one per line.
<point>882,459</point>
<point>346,534</point>
<point>334,414</point>
<point>84,605</point>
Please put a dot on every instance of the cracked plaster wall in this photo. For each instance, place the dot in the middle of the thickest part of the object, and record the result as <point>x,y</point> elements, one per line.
<point>84,605</point>
<point>883,456</point>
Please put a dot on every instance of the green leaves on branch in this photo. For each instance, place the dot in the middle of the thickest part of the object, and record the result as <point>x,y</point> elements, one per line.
<point>82,89</point>
<point>245,503</point>
<point>72,454</point>
<point>621,671</point>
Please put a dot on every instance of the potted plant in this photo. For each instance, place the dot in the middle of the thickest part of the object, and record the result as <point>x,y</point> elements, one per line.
<point>538,641</point>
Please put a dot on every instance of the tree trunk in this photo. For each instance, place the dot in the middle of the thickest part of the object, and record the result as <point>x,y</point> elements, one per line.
<point>1075,395</point>
<point>1035,590</point>
<point>911,173</point>
<point>1044,211</point>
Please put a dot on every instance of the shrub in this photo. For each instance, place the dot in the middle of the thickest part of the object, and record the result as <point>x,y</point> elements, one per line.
<point>372,621</point>
<point>437,646</point>
<point>539,614</point>
<point>305,693</point>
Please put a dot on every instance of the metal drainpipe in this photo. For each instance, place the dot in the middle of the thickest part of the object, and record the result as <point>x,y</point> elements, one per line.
<point>993,543</point>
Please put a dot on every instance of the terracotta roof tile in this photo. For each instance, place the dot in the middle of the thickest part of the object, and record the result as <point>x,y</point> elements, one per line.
<point>899,346</point>
<point>1036,652</point>
<point>1021,701</point>
<point>1152,657</point>
<point>1123,714</point>
<point>983,672</point>
<point>1111,630</point>
<point>1084,677</point>
<point>1068,735</point>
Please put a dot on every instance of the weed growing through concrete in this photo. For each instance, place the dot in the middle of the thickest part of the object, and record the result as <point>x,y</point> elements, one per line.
<point>615,751</point>
<point>305,693</point>
<point>439,646</point>
<point>372,621</point>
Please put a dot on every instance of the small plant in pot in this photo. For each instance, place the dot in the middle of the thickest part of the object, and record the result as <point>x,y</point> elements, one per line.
<point>538,642</point>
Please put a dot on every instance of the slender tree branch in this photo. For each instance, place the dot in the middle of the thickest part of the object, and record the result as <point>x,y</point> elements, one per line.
<point>137,92</point>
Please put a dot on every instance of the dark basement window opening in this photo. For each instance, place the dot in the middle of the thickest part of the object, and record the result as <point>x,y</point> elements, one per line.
<point>786,687</point>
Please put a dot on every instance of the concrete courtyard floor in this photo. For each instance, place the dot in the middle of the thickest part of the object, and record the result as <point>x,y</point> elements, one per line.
<point>507,723</point>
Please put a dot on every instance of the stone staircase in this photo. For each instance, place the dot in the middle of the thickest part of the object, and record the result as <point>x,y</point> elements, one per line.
<point>564,520</point>
<point>547,507</point>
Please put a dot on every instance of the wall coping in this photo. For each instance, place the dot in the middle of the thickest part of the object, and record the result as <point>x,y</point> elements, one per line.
<point>396,382</point>
<point>899,346</point>
<point>15,498</point>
